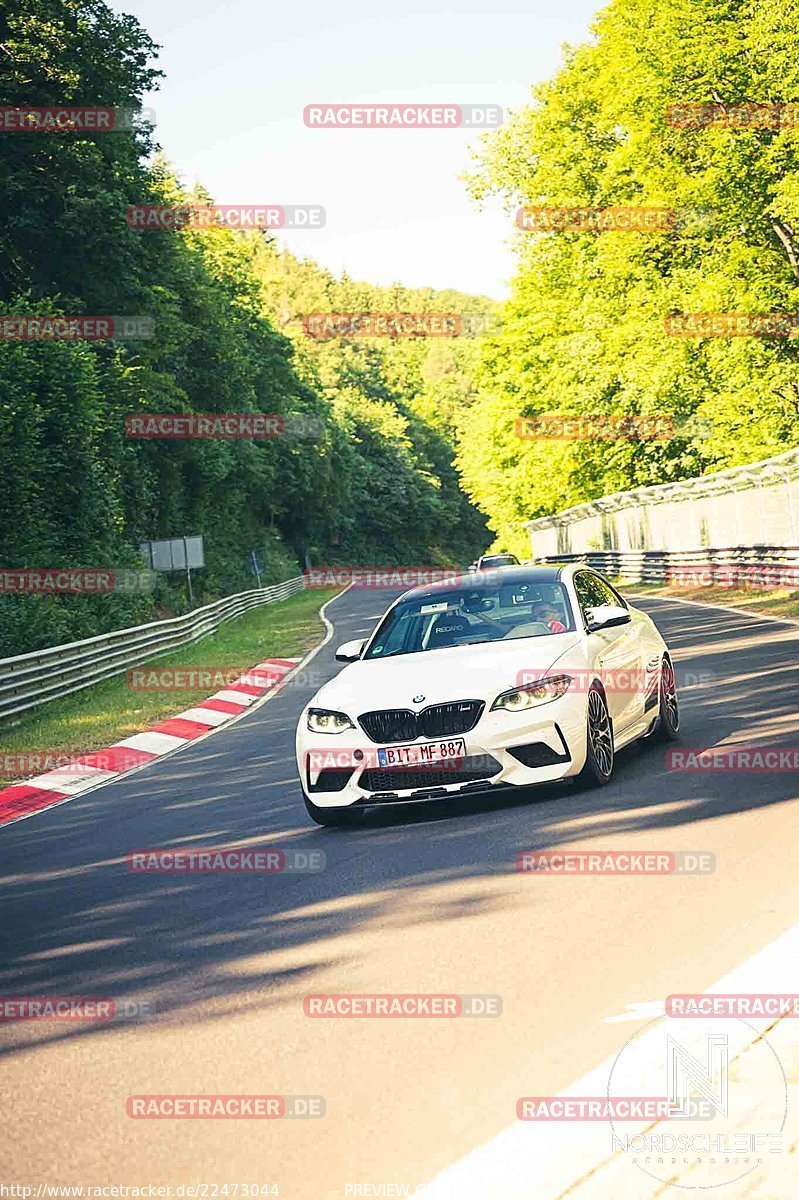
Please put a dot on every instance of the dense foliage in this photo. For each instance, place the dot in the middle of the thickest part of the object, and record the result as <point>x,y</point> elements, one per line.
<point>398,430</point>
<point>375,483</point>
<point>584,329</point>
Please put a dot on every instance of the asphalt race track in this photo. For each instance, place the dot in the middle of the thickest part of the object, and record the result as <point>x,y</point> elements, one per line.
<point>424,899</point>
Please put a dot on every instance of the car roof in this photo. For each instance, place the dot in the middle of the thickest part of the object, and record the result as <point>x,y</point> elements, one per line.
<point>488,579</point>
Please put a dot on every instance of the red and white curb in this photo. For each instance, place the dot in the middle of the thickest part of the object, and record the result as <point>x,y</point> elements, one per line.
<point>87,771</point>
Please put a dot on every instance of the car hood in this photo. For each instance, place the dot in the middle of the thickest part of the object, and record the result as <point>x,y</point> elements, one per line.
<point>457,673</point>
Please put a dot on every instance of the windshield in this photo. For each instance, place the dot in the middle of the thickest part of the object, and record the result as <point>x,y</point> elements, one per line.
<point>473,615</point>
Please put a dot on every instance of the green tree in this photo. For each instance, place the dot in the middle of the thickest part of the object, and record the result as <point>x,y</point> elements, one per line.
<point>584,329</point>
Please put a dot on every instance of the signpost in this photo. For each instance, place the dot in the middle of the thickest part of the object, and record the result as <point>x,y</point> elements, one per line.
<point>256,566</point>
<point>176,554</point>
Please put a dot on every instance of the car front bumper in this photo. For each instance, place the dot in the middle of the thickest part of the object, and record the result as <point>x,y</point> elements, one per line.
<point>341,770</point>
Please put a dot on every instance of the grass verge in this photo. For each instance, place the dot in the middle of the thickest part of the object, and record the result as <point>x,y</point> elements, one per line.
<point>109,711</point>
<point>779,602</point>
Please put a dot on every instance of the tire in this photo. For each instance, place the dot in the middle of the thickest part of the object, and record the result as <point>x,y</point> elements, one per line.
<point>667,728</point>
<point>334,817</point>
<point>599,754</point>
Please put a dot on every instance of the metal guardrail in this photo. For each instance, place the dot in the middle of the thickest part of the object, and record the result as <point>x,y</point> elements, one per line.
<point>28,680</point>
<point>744,566</point>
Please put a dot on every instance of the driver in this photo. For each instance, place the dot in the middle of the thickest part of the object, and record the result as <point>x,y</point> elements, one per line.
<point>548,614</point>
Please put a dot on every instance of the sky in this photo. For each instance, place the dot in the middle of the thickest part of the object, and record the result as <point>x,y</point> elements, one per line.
<point>229,114</point>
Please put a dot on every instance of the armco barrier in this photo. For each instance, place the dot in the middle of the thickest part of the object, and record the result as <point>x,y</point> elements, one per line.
<point>32,679</point>
<point>733,566</point>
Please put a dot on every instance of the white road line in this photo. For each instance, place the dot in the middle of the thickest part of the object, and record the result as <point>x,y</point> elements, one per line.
<point>642,1010</point>
<point>545,1160</point>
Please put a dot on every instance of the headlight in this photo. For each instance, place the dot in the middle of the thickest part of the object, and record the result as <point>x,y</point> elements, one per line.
<point>542,691</point>
<point>323,720</point>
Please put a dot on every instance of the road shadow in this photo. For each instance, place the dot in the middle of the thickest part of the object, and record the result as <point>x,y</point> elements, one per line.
<point>78,922</point>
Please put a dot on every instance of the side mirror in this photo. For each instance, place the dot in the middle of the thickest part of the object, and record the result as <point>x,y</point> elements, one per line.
<point>350,651</point>
<point>605,616</point>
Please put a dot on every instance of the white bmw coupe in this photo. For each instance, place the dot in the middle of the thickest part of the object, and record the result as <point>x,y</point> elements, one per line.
<point>486,683</point>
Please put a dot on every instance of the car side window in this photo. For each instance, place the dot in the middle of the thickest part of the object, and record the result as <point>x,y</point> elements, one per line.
<point>588,594</point>
<point>609,596</point>
<point>617,596</point>
<point>606,591</point>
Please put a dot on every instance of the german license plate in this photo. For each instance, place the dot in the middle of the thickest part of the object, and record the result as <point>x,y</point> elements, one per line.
<point>425,754</point>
